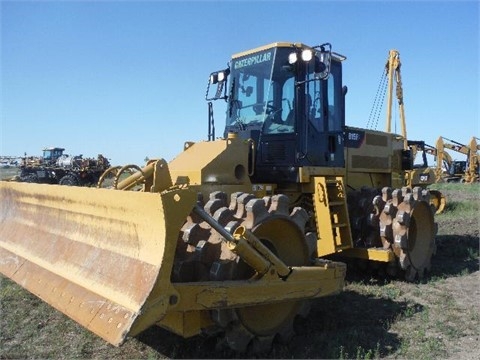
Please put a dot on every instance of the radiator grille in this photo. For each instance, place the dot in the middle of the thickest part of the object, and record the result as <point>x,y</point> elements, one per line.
<point>275,152</point>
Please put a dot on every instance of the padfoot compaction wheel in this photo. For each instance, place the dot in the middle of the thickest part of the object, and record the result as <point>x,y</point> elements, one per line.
<point>203,256</point>
<point>398,219</point>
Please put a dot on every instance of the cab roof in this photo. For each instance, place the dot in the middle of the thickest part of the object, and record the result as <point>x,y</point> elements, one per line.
<point>270,46</point>
<point>335,55</point>
<point>53,148</point>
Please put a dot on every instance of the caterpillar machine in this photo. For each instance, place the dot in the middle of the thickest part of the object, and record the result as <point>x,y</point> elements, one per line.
<point>466,171</point>
<point>446,169</point>
<point>236,234</point>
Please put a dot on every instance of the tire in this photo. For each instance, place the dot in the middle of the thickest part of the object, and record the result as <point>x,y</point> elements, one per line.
<point>69,180</point>
<point>30,178</point>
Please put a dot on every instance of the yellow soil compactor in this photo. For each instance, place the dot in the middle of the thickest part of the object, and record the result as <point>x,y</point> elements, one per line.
<point>236,234</point>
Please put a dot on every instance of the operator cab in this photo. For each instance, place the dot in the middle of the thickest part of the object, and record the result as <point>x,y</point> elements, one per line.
<point>289,99</point>
<point>458,167</point>
<point>52,154</point>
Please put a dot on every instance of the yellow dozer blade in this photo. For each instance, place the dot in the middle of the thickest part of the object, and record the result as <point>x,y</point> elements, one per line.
<point>99,256</point>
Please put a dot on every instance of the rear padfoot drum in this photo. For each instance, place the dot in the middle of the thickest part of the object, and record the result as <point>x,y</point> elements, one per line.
<point>401,220</point>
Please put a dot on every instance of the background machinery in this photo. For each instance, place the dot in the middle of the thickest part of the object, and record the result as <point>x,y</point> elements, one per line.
<point>447,169</point>
<point>235,234</point>
<point>442,158</point>
<point>55,167</point>
<point>459,170</point>
<point>420,174</point>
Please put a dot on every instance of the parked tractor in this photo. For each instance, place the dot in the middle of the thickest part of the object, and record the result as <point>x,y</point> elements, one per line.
<point>55,167</point>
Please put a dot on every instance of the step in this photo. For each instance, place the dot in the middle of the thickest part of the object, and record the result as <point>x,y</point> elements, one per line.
<point>336,203</point>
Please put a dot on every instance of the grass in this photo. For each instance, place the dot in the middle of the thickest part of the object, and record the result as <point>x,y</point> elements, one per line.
<point>460,209</point>
<point>471,188</point>
<point>7,173</point>
<point>462,200</point>
<point>371,319</point>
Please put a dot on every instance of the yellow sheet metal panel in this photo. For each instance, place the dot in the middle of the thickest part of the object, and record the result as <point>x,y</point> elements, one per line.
<point>220,162</point>
<point>94,254</point>
<point>373,158</point>
<point>187,166</point>
<point>373,254</point>
<point>326,241</point>
<point>188,323</point>
<point>305,173</point>
<point>372,151</point>
<point>304,282</point>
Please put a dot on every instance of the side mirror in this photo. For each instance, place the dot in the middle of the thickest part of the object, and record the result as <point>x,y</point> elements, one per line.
<point>323,60</point>
<point>320,67</point>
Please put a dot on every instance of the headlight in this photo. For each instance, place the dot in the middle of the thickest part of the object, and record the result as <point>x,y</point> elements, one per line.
<point>213,78</point>
<point>221,76</point>
<point>292,58</point>
<point>307,55</point>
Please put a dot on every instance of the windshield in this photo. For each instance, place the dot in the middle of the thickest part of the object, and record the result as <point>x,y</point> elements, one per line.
<point>52,154</point>
<point>262,92</point>
<point>47,154</point>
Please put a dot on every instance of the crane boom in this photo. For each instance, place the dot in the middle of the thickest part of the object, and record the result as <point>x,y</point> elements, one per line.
<point>456,146</point>
<point>393,66</point>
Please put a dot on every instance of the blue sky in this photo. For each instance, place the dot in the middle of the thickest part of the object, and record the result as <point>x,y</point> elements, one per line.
<point>127,78</point>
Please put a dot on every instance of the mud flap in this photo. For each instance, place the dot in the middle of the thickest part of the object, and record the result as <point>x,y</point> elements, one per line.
<point>96,255</point>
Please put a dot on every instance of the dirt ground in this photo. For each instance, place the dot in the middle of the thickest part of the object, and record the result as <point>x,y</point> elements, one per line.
<point>465,289</point>
<point>467,296</point>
